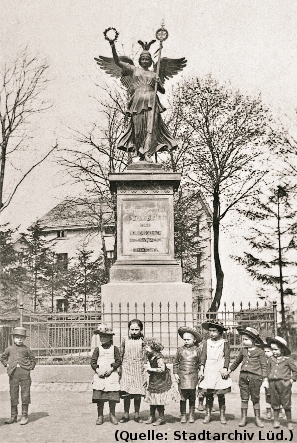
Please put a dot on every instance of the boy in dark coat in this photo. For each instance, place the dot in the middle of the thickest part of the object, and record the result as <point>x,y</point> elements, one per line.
<point>282,372</point>
<point>185,367</point>
<point>252,374</point>
<point>19,361</point>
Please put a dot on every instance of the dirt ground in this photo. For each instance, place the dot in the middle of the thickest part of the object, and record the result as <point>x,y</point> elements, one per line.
<point>64,413</point>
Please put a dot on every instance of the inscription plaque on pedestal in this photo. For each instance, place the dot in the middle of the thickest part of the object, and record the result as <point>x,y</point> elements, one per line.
<point>145,227</point>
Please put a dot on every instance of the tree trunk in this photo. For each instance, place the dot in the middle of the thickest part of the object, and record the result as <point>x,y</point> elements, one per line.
<point>281,287</point>
<point>219,272</point>
<point>2,170</point>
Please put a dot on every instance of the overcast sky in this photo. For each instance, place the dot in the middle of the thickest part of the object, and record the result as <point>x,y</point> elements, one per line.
<point>250,43</point>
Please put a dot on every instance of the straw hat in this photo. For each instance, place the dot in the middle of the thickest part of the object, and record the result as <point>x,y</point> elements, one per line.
<point>214,324</point>
<point>183,329</point>
<point>103,329</point>
<point>280,342</point>
<point>250,332</point>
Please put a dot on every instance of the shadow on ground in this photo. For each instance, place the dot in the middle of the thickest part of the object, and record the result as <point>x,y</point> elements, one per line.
<point>32,417</point>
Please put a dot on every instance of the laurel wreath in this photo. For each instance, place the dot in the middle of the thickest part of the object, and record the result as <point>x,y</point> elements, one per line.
<point>110,40</point>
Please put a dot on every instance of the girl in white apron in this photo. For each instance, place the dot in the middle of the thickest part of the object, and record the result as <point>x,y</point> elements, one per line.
<point>105,362</point>
<point>215,360</point>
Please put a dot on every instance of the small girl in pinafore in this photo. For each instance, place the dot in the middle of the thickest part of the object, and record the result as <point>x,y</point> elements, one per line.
<point>133,371</point>
<point>215,360</point>
<point>105,362</point>
<point>160,391</point>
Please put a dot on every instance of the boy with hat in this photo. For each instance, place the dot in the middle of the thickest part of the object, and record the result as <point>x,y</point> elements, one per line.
<point>185,367</point>
<point>105,362</point>
<point>215,359</point>
<point>19,361</point>
<point>253,372</point>
<point>282,371</point>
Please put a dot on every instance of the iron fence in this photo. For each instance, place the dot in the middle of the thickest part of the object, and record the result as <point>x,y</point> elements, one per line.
<point>70,334</point>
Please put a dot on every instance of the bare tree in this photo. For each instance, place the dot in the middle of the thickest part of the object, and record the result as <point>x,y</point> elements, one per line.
<point>22,83</point>
<point>229,137</point>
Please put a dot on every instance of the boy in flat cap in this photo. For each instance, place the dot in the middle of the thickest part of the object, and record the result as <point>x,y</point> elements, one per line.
<point>19,361</point>
<point>185,368</point>
<point>282,372</point>
<point>253,372</point>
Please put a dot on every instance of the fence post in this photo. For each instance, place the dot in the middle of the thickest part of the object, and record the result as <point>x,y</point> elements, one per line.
<point>21,313</point>
<point>274,306</point>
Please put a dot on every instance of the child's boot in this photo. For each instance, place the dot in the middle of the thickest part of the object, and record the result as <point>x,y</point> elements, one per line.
<point>200,404</point>
<point>276,423</point>
<point>137,401</point>
<point>208,408</point>
<point>243,416</point>
<point>13,416</point>
<point>258,420</point>
<point>222,407</point>
<point>192,414</point>
<point>24,419</point>
<point>268,414</point>
<point>161,420</point>
<point>100,406</point>
<point>112,416</point>
<point>152,416</point>
<point>289,419</point>
<point>125,417</point>
<point>183,416</point>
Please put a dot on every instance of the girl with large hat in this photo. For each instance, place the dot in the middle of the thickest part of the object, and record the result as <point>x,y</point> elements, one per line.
<point>185,368</point>
<point>215,360</point>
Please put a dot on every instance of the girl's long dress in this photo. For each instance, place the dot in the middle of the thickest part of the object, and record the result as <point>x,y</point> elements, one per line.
<point>133,373</point>
<point>140,110</point>
<point>213,381</point>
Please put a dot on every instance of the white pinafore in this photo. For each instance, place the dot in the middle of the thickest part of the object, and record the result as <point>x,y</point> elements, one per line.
<point>213,367</point>
<point>104,361</point>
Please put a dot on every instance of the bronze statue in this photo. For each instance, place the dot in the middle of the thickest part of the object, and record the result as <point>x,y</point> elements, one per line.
<point>146,133</point>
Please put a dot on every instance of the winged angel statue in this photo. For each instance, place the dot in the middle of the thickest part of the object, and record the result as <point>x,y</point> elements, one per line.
<point>146,133</point>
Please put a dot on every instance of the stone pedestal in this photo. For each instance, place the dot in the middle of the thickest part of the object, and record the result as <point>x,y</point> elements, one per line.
<point>145,278</point>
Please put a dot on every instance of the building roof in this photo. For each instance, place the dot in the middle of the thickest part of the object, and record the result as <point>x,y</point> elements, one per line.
<point>79,213</point>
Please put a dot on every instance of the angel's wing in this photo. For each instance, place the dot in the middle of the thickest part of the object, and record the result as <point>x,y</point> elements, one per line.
<point>110,67</point>
<point>170,67</point>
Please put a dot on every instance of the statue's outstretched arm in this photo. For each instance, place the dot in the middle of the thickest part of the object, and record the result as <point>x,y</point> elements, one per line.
<point>115,55</point>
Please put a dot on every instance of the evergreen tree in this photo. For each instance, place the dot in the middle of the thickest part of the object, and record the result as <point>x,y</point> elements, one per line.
<point>270,258</point>
<point>37,259</point>
<point>84,280</point>
<point>13,276</point>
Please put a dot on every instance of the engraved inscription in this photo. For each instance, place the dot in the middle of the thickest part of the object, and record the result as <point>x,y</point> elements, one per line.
<point>145,226</point>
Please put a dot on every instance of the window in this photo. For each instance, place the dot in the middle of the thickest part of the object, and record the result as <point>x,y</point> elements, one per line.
<point>62,261</point>
<point>61,305</point>
<point>61,234</point>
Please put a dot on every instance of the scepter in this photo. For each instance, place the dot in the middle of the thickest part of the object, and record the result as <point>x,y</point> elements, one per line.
<point>161,35</point>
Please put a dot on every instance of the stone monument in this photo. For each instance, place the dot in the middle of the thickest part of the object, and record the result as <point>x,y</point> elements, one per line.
<point>145,270</point>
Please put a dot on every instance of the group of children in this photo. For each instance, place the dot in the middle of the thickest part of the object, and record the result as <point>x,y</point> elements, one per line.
<point>139,370</point>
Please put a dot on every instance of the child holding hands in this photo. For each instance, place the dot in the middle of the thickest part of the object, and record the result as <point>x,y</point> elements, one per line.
<point>282,372</point>
<point>253,372</point>
<point>215,359</point>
